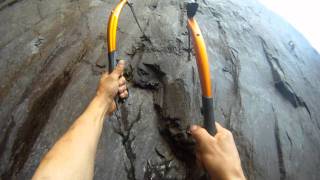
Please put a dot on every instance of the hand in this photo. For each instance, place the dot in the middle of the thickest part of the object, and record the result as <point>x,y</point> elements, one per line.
<point>113,84</point>
<point>218,154</point>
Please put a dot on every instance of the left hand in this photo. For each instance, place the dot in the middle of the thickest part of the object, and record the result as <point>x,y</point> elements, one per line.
<point>218,154</point>
<point>113,84</point>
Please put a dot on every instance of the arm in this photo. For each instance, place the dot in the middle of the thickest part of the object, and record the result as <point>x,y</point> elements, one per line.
<point>218,154</point>
<point>72,156</point>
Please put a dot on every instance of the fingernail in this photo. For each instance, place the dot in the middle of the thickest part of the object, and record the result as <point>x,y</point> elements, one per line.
<point>193,128</point>
<point>121,62</point>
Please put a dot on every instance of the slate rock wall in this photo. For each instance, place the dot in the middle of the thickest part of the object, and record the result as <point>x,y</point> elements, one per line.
<point>265,77</point>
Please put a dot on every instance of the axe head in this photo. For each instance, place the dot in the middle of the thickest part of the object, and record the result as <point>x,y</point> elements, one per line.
<point>192,9</point>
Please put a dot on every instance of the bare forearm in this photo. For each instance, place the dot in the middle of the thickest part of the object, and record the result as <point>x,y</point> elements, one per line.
<point>72,157</point>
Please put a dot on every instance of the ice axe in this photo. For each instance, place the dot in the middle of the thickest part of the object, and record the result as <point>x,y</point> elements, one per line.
<point>112,31</point>
<point>203,68</point>
<point>112,34</point>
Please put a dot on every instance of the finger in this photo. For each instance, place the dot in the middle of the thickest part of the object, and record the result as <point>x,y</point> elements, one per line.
<point>199,134</point>
<point>117,72</point>
<point>122,89</point>
<point>219,127</point>
<point>122,81</point>
<point>124,95</point>
<point>104,75</point>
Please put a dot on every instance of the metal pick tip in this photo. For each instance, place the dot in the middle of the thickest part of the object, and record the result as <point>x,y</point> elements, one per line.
<point>192,9</point>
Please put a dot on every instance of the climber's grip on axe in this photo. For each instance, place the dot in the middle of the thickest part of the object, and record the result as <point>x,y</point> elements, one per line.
<point>203,69</point>
<point>113,64</point>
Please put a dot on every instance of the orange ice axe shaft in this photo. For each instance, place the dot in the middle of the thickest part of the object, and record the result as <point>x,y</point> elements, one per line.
<point>112,31</point>
<point>112,34</point>
<point>203,69</point>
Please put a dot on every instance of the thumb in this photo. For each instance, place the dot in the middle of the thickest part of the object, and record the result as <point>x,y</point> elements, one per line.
<point>117,72</point>
<point>219,127</point>
<point>199,134</point>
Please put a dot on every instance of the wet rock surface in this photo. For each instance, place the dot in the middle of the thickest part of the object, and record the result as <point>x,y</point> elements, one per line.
<point>265,77</point>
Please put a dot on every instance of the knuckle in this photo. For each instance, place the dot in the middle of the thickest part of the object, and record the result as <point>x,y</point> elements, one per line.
<point>121,81</point>
<point>228,133</point>
<point>123,95</point>
<point>199,134</point>
<point>121,90</point>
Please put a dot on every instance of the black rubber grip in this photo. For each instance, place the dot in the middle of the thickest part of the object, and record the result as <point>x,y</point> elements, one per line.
<point>208,114</point>
<point>112,60</point>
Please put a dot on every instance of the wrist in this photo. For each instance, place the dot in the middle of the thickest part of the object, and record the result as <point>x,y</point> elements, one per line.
<point>103,100</point>
<point>237,175</point>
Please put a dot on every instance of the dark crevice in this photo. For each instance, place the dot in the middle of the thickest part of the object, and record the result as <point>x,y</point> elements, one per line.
<point>215,13</point>
<point>148,75</point>
<point>7,3</point>
<point>6,135</point>
<point>149,80</point>
<point>158,171</point>
<point>177,137</point>
<point>173,127</point>
<point>282,169</point>
<point>189,49</point>
<point>159,154</point>
<point>227,117</point>
<point>304,104</point>
<point>41,105</point>
<point>172,103</point>
<point>153,5</point>
<point>291,143</point>
<point>37,118</point>
<point>205,2</point>
<point>241,18</point>
<point>193,76</point>
<point>171,114</point>
<point>280,82</point>
<point>180,143</point>
<point>124,129</point>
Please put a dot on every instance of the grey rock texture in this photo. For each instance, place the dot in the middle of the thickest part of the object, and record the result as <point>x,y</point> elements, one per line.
<point>265,77</point>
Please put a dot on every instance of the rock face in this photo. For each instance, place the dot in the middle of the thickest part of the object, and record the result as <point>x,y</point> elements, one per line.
<point>265,75</point>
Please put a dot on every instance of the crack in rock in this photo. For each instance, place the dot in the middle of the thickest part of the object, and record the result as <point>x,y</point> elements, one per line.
<point>37,118</point>
<point>158,171</point>
<point>172,104</point>
<point>7,3</point>
<point>279,78</point>
<point>282,168</point>
<point>124,129</point>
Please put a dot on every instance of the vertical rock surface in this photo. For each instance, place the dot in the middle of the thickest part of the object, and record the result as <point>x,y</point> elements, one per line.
<point>265,77</point>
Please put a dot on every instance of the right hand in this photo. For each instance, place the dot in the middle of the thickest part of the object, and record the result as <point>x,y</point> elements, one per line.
<point>113,84</point>
<point>218,154</point>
